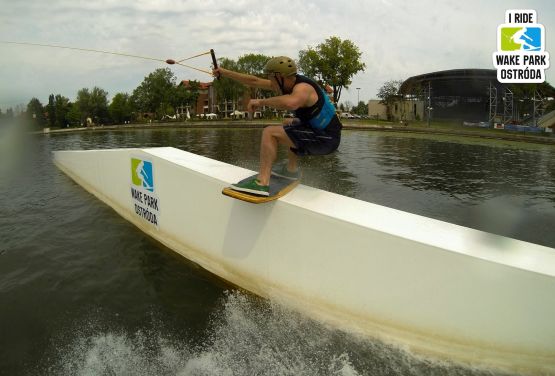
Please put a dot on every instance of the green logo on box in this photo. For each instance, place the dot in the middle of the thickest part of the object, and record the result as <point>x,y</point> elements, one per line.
<point>141,174</point>
<point>521,38</point>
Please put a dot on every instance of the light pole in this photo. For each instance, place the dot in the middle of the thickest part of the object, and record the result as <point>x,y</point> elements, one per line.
<point>429,101</point>
<point>358,95</point>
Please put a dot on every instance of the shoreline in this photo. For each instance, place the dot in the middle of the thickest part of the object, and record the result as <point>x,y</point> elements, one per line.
<point>347,125</point>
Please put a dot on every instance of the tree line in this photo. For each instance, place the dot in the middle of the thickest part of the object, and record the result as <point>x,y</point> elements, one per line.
<point>333,62</point>
<point>158,94</point>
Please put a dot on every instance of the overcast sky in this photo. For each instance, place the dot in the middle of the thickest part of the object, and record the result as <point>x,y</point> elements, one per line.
<point>398,38</point>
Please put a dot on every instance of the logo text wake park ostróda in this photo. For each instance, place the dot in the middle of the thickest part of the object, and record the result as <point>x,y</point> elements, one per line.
<point>145,201</point>
<point>521,55</point>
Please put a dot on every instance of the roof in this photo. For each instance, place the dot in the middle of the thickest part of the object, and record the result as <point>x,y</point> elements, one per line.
<point>462,82</point>
<point>203,85</point>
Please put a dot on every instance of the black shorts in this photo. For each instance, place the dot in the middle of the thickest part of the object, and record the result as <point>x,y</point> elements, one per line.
<point>310,141</point>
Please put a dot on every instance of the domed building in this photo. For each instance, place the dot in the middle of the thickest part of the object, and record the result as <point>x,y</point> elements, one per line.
<point>471,95</point>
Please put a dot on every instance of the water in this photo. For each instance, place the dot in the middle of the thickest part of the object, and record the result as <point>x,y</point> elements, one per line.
<point>83,292</point>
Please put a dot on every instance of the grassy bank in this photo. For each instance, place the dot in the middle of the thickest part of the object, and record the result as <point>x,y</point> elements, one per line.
<point>452,128</point>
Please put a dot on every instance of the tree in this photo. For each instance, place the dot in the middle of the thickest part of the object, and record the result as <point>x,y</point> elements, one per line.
<point>120,109</point>
<point>35,113</point>
<point>333,62</point>
<point>73,115</point>
<point>61,105</point>
<point>254,64</point>
<point>389,94</point>
<point>361,108</point>
<point>51,110</point>
<point>186,94</point>
<point>99,105</point>
<point>165,109</point>
<point>226,88</point>
<point>157,88</point>
<point>83,105</point>
<point>348,105</point>
<point>92,104</point>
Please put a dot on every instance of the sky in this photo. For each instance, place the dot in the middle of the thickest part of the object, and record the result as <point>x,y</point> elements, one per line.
<point>398,39</point>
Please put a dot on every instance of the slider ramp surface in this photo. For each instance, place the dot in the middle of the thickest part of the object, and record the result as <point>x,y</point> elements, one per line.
<point>440,289</point>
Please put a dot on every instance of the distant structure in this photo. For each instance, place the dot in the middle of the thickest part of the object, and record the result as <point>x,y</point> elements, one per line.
<point>471,95</point>
<point>208,103</point>
<point>205,102</point>
<point>378,111</point>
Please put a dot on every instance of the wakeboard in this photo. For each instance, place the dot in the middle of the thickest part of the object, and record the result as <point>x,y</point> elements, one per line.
<point>279,187</point>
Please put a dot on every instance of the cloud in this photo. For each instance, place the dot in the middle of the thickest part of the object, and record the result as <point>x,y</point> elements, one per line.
<point>397,38</point>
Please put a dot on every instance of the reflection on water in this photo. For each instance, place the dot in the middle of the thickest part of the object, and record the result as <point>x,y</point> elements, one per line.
<point>466,172</point>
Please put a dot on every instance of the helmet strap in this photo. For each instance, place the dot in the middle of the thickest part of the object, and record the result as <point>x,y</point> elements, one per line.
<point>281,83</point>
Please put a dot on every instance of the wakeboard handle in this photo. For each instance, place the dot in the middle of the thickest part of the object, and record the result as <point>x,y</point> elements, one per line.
<point>214,62</point>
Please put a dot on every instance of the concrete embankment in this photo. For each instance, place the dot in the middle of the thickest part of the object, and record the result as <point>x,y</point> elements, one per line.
<point>348,125</point>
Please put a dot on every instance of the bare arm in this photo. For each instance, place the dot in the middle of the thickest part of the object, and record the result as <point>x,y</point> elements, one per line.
<point>303,95</point>
<point>245,79</point>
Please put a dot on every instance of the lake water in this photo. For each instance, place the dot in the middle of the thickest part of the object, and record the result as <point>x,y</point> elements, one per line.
<point>83,292</point>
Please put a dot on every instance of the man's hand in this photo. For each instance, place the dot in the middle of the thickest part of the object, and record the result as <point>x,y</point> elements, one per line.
<point>254,104</point>
<point>291,121</point>
<point>217,72</point>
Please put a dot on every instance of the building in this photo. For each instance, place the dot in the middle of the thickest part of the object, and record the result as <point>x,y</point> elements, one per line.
<point>209,103</point>
<point>205,100</point>
<point>377,110</point>
<point>472,95</point>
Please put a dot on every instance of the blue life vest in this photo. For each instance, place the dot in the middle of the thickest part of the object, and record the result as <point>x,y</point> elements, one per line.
<point>321,113</point>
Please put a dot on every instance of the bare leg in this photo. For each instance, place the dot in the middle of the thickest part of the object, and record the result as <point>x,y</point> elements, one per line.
<point>292,164</point>
<point>271,137</point>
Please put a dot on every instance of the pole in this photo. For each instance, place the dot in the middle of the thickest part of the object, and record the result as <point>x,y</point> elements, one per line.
<point>534,103</point>
<point>429,101</point>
